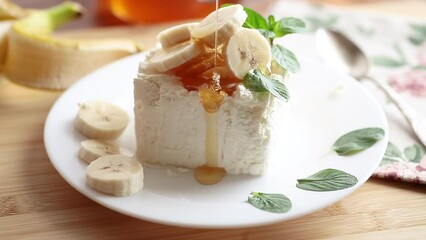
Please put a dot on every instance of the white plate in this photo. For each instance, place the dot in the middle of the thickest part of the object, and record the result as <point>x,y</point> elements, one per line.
<point>318,114</point>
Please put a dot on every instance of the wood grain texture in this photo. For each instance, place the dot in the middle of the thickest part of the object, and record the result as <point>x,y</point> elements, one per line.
<point>36,203</point>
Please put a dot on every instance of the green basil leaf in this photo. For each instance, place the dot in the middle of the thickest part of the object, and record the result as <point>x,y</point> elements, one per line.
<point>288,25</point>
<point>327,180</point>
<point>255,20</point>
<point>270,202</point>
<point>357,141</point>
<point>285,58</point>
<point>256,81</point>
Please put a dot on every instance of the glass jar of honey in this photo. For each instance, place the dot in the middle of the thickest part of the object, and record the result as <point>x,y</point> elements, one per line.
<point>153,11</point>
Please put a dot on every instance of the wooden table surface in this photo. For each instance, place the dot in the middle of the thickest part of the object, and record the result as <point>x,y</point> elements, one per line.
<point>36,203</point>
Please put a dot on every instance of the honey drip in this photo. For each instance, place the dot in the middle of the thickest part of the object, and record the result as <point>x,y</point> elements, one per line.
<point>211,99</point>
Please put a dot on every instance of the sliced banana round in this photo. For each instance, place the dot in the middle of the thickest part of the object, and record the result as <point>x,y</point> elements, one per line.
<point>247,49</point>
<point>165,59</point>
<point>115,175</point>
<point>101,120</point>
<point>175,35</point>
<point>91,150</point>
<point>229,20</point>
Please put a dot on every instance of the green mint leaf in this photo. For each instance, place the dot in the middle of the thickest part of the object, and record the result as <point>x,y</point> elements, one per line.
<point>387,62</point>
<point>288,25</point>
<point>255,20</point>
<point>420,29</point>
<point>357,141</point>
<point>270,202</point>
<point>327,180</point>
<point>277,69</point>
<point>256,81</point>
<point>414,153</point>
<point>267,34</point>
<point>285,58</point>
<point>271,22</point>
<point>417,40</point>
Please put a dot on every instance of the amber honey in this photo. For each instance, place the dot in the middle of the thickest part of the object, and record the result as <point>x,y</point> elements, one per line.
<point>151,11</point>
<point>199,71</point>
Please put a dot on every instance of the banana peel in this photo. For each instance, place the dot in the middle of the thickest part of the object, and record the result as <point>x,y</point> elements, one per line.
<point>34,58</point>
<point>9,12</point>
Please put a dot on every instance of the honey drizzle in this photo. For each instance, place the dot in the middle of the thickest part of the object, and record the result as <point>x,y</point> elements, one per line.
<point>211,99</point>
<point>215,84</point>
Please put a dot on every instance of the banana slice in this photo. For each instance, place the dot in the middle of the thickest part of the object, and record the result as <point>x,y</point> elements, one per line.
<point>166,59</point>
<point>115,175</point>
<point>175,35</point>
<point>91,150</point>
<point>247,49</point>
<point>101,120</point>
<point>230,19</point>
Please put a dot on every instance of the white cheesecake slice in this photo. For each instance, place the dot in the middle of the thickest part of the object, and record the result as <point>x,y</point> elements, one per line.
<point>170,126</point>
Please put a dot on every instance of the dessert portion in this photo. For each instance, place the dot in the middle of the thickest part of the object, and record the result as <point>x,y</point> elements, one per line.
<point>198,100</point>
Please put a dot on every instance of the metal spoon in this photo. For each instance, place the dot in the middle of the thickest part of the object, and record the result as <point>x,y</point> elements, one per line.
<point>338,51</point>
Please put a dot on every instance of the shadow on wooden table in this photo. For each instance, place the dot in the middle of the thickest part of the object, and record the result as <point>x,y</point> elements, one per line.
<point>397,184</point>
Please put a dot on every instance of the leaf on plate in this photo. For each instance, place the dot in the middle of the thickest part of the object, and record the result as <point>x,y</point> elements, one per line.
<point>357,141</point>
<point>327,180</point>
<point>270,202</point>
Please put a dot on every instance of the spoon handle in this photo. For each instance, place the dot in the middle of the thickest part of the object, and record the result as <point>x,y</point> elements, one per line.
<point>414,118</point>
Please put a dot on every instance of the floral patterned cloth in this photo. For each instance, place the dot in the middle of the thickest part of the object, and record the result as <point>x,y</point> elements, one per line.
<point>396,47</point>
